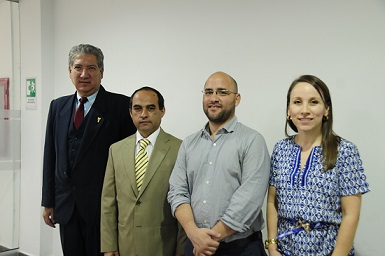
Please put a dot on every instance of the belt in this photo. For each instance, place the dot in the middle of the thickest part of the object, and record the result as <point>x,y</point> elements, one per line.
<point>299,226</point>
<point>241,242</point>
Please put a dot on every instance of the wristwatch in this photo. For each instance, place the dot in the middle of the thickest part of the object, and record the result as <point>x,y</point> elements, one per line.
<point>268,242</point>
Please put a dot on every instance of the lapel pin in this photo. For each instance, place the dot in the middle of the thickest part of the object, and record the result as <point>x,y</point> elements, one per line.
<point>99,118</point>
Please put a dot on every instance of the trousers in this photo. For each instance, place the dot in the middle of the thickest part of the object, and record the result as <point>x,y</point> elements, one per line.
<point>248,246</point>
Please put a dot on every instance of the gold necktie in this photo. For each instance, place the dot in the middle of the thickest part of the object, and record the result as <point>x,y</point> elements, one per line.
<point>141,162</point>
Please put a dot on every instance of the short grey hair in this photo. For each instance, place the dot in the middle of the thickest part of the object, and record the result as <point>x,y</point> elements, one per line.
<point>86,49</point>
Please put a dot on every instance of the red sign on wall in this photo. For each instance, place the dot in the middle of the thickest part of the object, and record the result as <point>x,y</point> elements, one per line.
<point>4,93</point>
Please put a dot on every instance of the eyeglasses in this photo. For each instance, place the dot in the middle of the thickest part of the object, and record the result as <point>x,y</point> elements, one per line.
<point>221,92</point>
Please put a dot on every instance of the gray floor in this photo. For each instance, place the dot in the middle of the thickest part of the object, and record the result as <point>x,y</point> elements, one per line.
<point>6,252</point>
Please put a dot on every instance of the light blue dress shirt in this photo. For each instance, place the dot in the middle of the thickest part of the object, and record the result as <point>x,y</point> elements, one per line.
<point>88,103</point>
<point>224,178</point>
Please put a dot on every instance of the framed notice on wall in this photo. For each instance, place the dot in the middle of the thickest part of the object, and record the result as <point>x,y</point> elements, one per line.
<point>31,101</point>
<point>4,93</point>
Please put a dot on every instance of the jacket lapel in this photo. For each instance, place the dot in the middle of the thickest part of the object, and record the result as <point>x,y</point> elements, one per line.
<point>63,122</point>
<point>158,153</point>
<point>95,121</point>
<point>129,161</point>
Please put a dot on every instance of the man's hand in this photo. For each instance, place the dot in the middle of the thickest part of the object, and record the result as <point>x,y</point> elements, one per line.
<point>116,253</point>
<point>203,242</point>
<point>48,216</point>
<point>224,230</point>
<point>202,239</point>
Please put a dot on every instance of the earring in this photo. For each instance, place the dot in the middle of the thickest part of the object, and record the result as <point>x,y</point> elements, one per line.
<point>325,118</point>
<point>288,118</point>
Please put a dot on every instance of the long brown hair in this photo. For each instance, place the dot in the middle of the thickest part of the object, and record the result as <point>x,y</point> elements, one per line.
<point>330,140</point>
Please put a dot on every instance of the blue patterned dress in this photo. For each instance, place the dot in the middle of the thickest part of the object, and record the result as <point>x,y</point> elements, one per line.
<point>312,195</point>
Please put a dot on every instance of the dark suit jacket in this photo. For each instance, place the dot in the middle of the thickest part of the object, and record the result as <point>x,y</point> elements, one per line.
<point>108,121</point>
<point>140,223</point>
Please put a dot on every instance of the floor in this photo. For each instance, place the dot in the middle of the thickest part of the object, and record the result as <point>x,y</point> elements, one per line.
<point>7,252</point>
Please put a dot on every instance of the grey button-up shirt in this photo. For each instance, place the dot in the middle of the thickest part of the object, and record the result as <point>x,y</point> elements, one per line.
<point>223,179</point>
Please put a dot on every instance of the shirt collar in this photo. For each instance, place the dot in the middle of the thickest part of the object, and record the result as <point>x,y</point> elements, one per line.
<point>91,98</point>
<point>152,138</point>
<point>229,127</point>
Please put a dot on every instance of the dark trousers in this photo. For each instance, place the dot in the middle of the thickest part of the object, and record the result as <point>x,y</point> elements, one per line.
<point>79,238</point>
<point>249,246</point>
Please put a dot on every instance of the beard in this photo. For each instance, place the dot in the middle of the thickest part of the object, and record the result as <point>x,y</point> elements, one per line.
<point>221,117</point>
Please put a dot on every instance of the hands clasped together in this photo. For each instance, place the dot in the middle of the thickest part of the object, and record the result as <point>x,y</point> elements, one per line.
<point>205,241</point>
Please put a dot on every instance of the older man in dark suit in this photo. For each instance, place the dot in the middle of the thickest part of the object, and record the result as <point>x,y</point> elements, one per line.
<point>80,129</point>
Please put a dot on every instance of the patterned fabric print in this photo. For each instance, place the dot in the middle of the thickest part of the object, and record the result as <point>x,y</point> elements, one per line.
<point>312,195</point>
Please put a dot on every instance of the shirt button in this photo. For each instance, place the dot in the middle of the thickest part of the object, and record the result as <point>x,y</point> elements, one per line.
<point>204,221</point>
<point>207,182</point>
<point>210,163</point>
<point>204,201</point>
<point>214,144</point>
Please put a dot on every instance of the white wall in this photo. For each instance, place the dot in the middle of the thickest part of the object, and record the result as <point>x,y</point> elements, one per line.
<point>175,45</point>
<point>36,61</point>
<point>31,63</point>
<point>6,187</point>
<point>9,129</point>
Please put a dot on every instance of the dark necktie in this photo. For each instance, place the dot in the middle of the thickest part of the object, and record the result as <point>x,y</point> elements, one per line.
<point>79,114</point>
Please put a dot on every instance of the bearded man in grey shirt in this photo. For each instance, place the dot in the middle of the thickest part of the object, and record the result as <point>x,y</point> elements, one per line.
<point>220,179</point>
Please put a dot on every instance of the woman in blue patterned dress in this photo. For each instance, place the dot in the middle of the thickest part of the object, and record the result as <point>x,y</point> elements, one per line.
<point>316,179</point>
